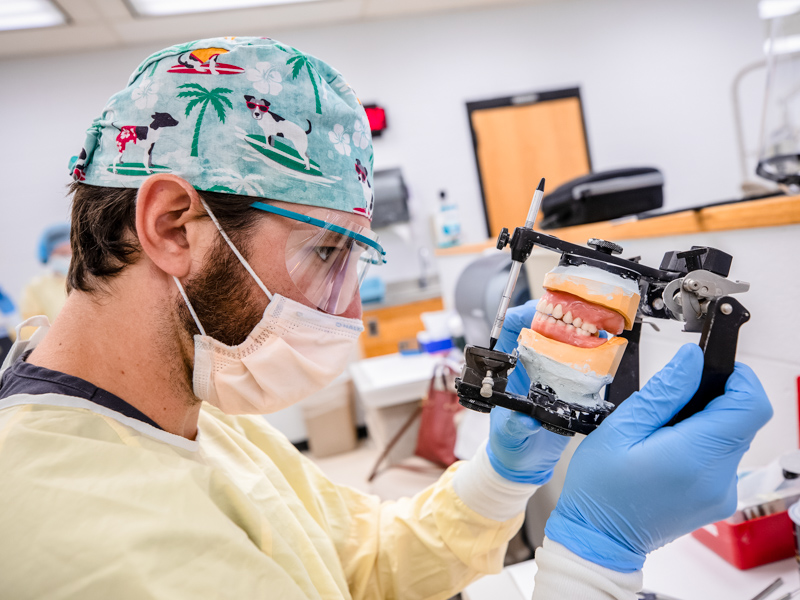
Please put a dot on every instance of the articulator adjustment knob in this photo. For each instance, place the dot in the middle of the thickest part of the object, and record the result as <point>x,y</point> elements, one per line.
<point>502,239</point>
<point>692,258</point>
<point>604,246</point>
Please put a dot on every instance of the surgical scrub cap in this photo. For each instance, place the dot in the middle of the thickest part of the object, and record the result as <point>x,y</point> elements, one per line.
<point>245,115</point>
<point>53,236</point>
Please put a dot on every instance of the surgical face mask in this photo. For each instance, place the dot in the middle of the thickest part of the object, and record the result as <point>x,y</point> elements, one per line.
<point>59,263</point>
<point>293,352</point>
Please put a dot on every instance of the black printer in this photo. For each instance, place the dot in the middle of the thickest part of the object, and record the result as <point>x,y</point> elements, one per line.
<point>603,196</point>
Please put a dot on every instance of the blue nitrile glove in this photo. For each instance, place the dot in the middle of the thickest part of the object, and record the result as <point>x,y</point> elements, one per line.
<point>634,485</point>
<point>519,449</point>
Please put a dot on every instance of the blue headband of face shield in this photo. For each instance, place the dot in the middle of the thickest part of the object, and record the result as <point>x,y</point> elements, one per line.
<point>327,256</point>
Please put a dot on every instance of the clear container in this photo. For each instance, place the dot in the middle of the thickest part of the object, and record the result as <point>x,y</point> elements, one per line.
<point>779,154</point>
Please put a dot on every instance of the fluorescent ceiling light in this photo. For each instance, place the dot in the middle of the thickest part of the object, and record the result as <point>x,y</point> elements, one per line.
<point>162,8</point>
<point>28,14</point>
<point>772,9</point>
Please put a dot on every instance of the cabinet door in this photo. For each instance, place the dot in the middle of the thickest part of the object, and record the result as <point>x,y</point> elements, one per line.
<point>386,328</point>
<point>518,140</point>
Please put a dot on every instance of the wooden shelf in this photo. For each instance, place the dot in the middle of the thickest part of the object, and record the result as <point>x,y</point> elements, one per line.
<point>769,212</point>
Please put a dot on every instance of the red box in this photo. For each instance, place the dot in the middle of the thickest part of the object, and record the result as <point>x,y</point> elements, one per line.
<point>376,115</point>
<point>751,543</point>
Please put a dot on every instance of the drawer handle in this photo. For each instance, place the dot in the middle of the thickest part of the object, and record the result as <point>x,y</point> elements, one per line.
<point>372,328</point>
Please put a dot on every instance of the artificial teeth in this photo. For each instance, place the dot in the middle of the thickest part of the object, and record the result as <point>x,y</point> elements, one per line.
<point>589,328</point>
<point>551,320</point>
<point>558,311</point>
<point>577,322</point>
<point>567,318</point>
<point>549,309</point>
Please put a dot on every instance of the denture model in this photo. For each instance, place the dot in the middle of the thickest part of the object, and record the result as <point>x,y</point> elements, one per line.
<point>563,350</point>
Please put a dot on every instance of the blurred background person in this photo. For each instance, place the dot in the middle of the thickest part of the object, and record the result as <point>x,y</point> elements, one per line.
<point>46,293</point>
<point>8,320</point>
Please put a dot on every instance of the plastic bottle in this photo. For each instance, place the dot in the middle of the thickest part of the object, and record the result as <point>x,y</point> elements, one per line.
<point>448,223</point>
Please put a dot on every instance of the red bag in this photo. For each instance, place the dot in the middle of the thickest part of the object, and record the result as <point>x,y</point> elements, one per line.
<point>437,429</point>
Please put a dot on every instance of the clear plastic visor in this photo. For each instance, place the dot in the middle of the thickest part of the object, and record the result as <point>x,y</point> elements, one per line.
<point>328,256</point>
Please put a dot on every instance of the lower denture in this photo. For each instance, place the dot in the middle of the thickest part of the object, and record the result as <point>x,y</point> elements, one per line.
<point>557,309</point>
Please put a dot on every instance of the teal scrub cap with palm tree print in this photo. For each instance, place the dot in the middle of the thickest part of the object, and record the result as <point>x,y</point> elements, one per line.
<point>248,116</point>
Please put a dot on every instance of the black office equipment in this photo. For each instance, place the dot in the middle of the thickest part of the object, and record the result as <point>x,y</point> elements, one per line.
<point>604,196</point>
<point>391,198</point>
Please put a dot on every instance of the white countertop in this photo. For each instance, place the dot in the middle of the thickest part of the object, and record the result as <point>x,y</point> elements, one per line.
<point>687,570</point>
<point>684,569</point>
<point>393,379</point>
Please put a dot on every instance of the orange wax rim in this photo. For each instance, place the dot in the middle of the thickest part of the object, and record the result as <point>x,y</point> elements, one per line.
<point>603,360</point>
<point>614,298</point>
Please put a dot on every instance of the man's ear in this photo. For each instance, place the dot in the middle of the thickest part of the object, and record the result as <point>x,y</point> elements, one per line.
<point>168,209</point>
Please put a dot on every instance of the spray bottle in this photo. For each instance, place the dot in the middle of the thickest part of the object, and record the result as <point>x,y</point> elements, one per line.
<point>447,223</point>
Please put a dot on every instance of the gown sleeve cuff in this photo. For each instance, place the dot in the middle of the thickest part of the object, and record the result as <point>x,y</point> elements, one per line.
<point>486,492</point>
<point>563,574</point>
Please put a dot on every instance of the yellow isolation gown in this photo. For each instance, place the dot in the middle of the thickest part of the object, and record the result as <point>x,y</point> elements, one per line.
<point>44,295</point>
<point>94,504</point>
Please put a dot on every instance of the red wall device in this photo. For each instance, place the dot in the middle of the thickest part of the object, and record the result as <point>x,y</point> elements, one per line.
<point>377,118</point>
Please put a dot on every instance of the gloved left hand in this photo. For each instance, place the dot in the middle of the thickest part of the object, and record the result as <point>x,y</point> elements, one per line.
<point>519,448</point>
<point>635,484</point>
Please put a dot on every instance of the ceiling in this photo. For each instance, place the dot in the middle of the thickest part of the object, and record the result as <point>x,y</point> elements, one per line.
<point>95,24</point>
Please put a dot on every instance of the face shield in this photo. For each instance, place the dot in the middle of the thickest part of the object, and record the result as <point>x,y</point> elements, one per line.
<point>327,255</point>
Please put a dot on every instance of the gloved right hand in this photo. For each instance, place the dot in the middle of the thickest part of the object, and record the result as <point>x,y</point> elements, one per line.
<point>634,485</point>
<point>519,448</point>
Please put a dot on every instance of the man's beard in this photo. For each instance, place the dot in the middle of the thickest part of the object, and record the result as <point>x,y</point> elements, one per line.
<point>224,297</point>
<point>228,306</point>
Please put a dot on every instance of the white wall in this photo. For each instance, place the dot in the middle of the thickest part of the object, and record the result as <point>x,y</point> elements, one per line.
<point>655,78</point>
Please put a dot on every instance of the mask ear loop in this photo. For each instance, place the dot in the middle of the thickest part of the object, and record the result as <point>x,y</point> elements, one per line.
<point>238,254</point>
<point>189,306</point>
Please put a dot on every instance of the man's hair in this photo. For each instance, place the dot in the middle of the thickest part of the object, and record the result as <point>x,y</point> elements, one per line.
<point>103,233</point>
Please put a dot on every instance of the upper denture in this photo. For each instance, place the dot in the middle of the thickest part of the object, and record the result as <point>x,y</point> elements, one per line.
<point>567,318</point>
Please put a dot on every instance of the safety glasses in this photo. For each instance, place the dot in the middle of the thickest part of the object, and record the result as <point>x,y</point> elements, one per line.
<point>327,255</point>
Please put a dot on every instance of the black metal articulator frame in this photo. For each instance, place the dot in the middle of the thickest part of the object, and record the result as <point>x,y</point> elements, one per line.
<point>697,289</point>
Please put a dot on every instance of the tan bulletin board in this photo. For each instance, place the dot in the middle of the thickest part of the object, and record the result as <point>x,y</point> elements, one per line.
<point>520,139</point>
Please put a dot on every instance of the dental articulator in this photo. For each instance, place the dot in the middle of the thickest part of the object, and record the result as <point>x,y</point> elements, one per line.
<point>592,290</point>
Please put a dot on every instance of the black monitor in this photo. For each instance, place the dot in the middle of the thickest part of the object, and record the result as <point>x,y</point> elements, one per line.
<point>391,198</point>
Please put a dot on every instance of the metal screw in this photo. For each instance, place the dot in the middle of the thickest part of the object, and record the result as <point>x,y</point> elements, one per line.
<point>691,284</point>
<point>604,246</point>
<point>487,384</point>
<point>658,304</point>
<point>502,239</point>
<point>726,309</point>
